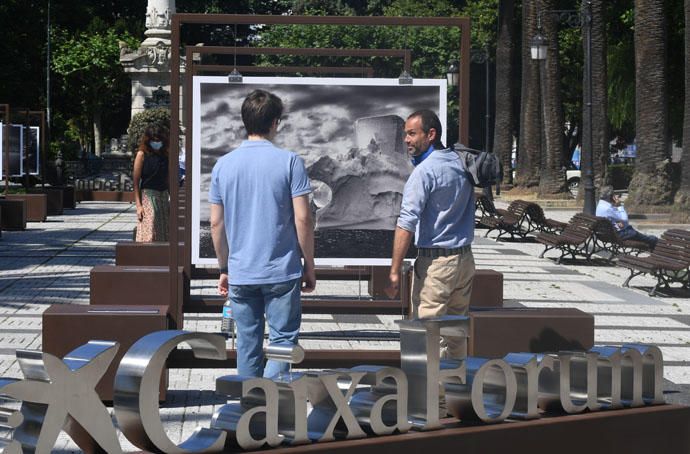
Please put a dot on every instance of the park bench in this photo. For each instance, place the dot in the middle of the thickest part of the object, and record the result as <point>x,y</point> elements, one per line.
<point>484,207</point>
<point>669,262</point>
<point>607,239</point>
<point>577,238</point>
<point>538,222</point>
<point>512,222</point>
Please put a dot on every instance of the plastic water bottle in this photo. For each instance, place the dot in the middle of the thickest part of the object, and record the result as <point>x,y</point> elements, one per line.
<point>227,325</point>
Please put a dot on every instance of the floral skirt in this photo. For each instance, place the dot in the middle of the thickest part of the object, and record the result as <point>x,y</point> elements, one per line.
<point>154,224</point>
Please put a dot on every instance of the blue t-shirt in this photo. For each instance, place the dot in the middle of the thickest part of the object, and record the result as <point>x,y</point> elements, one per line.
<point>256,183</point>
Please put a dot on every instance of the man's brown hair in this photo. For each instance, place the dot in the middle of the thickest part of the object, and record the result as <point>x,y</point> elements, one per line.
<point>259,109</point>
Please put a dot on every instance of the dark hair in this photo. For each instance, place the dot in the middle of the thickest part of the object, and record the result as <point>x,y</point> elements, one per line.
<point>429,121</point>
<point>259,110</point>
<point>154,131</point>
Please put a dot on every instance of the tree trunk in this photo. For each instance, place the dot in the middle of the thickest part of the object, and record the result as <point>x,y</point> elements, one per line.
<point>97,129</point>
<point>600,120</point>
<point>651,182</point>
<point>504,124</point>
<point>529,150</point>
<point>552,178</point>
<point>681,205</point>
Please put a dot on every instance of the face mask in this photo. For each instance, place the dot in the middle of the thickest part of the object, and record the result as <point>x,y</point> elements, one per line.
<point>156,145</point>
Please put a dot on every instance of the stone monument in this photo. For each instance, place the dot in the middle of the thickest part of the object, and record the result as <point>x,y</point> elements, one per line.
<point>149,66</point>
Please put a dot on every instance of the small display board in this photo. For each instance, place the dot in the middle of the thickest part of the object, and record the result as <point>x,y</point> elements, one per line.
<point>24,150</point>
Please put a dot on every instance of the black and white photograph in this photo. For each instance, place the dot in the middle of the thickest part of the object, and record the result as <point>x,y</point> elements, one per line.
<point>350,134</point>
<point>16,145</point>
<point>33,153</point>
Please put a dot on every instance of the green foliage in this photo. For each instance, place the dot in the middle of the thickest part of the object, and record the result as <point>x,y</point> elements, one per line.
<point>157,116</point>
<point>621,71</point>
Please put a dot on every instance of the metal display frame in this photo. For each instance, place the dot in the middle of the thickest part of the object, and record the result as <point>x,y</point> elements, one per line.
<point>179,213</point>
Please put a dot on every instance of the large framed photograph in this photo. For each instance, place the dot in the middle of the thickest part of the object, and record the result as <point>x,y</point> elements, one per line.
<point>348,131</point>
<point>33,151</point>
<point>16,146</point>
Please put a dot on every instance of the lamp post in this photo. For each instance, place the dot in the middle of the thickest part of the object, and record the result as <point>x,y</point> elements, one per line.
<point>538,48</point>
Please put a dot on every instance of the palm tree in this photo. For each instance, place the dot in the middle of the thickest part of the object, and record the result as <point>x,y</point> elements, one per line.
<point>504,123</point>
<point>651,182</point>
<point>552,178</point>
<point>600,121</point>
<point>529,150</point>
<point>681,205</point>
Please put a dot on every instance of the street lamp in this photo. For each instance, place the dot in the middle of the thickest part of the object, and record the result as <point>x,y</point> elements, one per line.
<point>538,47</point>
<point>453,73</point>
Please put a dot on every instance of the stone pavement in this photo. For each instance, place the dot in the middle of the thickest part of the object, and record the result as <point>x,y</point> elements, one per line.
<point>49,263</point>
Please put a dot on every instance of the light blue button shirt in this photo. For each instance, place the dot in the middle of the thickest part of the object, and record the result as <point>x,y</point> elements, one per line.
<point>615,214</point>
<point>438,203</point>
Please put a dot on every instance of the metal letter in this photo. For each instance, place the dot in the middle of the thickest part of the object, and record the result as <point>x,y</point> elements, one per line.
<point>652,373</point>
<point>136,391</point>
<point>253,421</point>
<point>330,406</point>
<point>608,376</point>
<point>55,393</point>
<point>577,381</point>
<point>527,368</point>
<point>492,390</point>
<point>420,360</point>
<point>382,408</point>
<point>631,377</point>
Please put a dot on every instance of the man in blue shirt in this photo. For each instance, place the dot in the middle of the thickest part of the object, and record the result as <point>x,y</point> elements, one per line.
<point>438,208</point>
<point>262,230</point>
<point>610,207</point>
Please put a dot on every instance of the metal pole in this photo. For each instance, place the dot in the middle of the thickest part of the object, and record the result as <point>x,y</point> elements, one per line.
<point>588,149</point>
<point>487,117</point>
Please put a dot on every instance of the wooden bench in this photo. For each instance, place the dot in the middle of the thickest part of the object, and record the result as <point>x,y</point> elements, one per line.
<point>538,222</point>
<point>484,207</point>
<point>577,238</point>
<point>606,238</point>
<point>513,222</point>
<point>668,263</point>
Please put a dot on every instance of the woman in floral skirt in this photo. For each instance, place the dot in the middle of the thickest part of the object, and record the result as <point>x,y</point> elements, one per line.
<point>151,185</point>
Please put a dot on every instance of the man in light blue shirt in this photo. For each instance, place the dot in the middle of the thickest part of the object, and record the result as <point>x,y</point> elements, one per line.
<point>610,207</point>
<point>438,208</point>
<point>262,230</point>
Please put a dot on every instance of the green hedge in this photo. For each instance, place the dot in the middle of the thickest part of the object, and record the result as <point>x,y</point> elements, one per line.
<point>142,120</point>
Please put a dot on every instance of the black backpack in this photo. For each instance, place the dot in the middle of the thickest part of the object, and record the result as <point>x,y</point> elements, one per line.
<point>484,168</point>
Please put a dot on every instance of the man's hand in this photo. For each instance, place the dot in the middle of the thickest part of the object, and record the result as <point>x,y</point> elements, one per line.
<point>393,285</point>
<point>308,280</point>
<point>620,225</point>
<point>223,284</point>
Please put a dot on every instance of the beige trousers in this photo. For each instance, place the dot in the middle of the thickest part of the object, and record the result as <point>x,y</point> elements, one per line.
<point>442,286</point>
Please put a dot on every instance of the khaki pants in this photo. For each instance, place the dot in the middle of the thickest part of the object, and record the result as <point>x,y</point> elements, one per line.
<point>442,286</point>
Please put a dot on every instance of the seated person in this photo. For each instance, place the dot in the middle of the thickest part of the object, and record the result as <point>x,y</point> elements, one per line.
<point>610,207</point>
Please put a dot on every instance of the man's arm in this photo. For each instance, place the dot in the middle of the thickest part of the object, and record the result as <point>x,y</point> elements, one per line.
<point>220,245</point>
<point>305,237</point>
<point>401,244</point>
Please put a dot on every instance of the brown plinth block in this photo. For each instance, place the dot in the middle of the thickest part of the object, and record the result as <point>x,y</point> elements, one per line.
<point>487,289</point>
<point>129,253</point>
<point>36,206</point>
<point>13,215</point>
<point>658,429</point>
<point>137,286</point>
<point>497,332</point>
<point>54,199</point>
<point>69,199</point>
<point>68,326</point>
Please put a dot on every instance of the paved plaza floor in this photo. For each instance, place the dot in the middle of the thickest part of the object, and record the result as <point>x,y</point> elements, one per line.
<point>49,263</point>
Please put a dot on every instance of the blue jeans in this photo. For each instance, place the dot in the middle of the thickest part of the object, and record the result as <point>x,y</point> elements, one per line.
<point>281,304</point>
<point>629,233</point>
